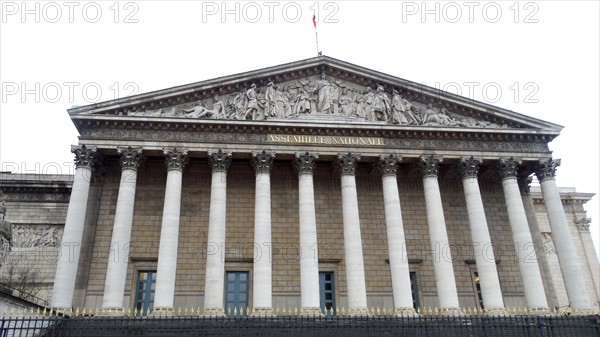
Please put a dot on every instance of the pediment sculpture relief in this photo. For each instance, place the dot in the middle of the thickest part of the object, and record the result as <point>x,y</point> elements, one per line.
<point>318,95</point>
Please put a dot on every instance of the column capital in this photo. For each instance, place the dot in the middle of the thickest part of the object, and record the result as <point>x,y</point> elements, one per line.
<point>131,158</point>
<point>389,164</point>
<point>430,165</point>
<point>583,224</point>
<point>305,162</point>
<point>524,182</point>
<point>469,167</point>
<point>85,156</point>
<point>507,167</point>
<point>546,168</point>
<point>176,159</point>
<point>347,163</point>
<point>218,160</point>
<point>262,161</point>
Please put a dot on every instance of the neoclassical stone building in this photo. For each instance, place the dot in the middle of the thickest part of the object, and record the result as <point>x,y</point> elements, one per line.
<point>318,185</point>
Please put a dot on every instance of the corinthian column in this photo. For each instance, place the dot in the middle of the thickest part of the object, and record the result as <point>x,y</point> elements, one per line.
<point>66,269</point>
<point>561,234</point>
<point>215,265</point>
<point>438,236</point>
<point>524,247</point>
<point>401,291</point>
<point>262,286</point>
<point>169,232</point>
<point>118,258</point>
<point>482,243</point>
<point>353,254</point>
<point>309,254</point>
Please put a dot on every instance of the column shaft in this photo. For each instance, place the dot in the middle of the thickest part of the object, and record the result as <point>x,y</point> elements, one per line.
<point>563,239</point>
<point>353,253</point>
<point>438,236</point>
<point>482,242</point>
<point>169,233</point>
<point>66,269</point>
<point>118,258</point>
<point>116,271</point>
<point>215,254</point>
<point>525,249</point>
<point>400,272</point>
<point>262,283</point>
<point>309,254</point>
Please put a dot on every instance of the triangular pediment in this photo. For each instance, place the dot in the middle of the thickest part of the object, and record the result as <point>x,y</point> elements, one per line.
<point>321,89</point>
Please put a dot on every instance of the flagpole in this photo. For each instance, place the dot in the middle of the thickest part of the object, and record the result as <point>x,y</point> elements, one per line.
<point>317,41</point>
<point>314,19</point>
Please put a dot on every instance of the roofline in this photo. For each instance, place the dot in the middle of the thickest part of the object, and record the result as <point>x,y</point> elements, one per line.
<point>307,63</point>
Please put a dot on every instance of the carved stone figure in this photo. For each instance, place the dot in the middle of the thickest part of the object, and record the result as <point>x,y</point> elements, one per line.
<point>548,244</point>
<point>270,100</point>
<point>302,103</point>
<point>317,94</point>
<point>252,108</point>
<point>347,105</point>
<point>282,104</point>
<point>381,105</point>
<point>324,91</point>
<point>198,111</point>
<point>365,104</point>
<point>5,234</point>
<point>431,117</point>
<point>218,108</point>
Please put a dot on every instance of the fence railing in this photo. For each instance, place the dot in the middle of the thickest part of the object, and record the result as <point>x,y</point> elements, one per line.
<point>315,326</point>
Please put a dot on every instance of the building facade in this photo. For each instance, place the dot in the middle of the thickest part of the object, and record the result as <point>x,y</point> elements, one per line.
<point>317,185</point>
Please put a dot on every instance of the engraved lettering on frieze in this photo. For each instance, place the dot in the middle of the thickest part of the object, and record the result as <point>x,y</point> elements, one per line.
<point>314,96</point>
<point>219,160</point>
<point>583,224</point>
<point>507,167</point>
<point>546,169</point>
<point>131,158</point>
<point>430,165</point>
<point>548,244</point>
<point>305,162</point>
<point>389,164</point>
<point>175,159</point>
<point>347,163</point>
<point>84,156</point>
<point>262,161</point>
<point>329,140</point>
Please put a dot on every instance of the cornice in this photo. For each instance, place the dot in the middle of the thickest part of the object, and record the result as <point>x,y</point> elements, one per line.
<point>97,122</point>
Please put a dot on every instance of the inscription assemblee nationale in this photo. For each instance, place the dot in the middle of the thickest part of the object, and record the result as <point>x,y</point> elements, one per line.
<point>331,140</point>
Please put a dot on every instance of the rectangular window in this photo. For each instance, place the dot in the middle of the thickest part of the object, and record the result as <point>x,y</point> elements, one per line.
<point>414,289</point>
<point>327,292</point>
<point>236,293</point>
<point>144,291</point>
<point>477,286</point>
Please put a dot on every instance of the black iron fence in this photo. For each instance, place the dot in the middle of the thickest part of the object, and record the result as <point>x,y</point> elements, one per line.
<point>342,326</point>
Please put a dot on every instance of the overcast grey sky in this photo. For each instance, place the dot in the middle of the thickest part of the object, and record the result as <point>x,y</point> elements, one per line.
<point>540,59</point>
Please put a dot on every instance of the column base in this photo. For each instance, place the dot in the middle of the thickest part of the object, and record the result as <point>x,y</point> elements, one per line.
<point>163,312</point>
<point>111,312</point>
<point>495,312</point>
<point>212,312</point>
<point>405,312</point>
<point>311,312</point>
<point>451,312</point>
<point>262,312</point>
<point>359,312</point>
<point>537,311</point>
